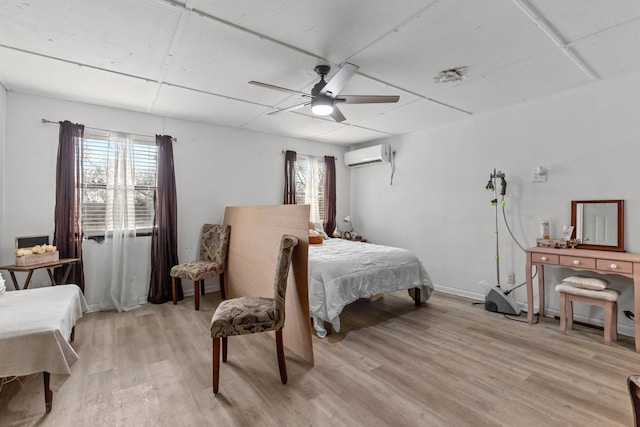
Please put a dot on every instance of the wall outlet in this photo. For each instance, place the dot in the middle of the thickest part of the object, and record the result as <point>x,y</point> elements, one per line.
<point>511,279</point>
<point>536,177</point>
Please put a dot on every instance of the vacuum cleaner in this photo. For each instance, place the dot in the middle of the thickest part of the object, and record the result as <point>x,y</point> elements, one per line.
<point>498,300</point>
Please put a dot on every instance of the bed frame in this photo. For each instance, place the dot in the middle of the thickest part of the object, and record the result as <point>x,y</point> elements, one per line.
<point>416,299</point>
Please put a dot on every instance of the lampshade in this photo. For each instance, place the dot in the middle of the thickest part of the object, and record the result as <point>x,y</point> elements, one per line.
<point>322,106</point>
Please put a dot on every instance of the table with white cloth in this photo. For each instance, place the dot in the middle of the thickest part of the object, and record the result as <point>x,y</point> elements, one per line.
<point>35,328</point>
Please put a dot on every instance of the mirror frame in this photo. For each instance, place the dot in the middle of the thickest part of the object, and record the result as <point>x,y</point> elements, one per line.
<point>617,248</point>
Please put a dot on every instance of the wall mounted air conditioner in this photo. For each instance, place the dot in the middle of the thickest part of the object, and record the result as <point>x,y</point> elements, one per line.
<point>367,156</point>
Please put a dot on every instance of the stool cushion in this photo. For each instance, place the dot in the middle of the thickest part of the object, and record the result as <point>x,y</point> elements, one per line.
<point>604,295</point>
<point>196,270</point>
<point>587,282</point>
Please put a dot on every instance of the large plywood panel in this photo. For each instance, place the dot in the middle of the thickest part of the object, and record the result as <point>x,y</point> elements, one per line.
<point>256,232</point>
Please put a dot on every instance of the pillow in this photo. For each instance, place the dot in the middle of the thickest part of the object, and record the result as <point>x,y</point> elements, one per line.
<point>586,282</point>
<point>315,238</point>
<point>320,228</point>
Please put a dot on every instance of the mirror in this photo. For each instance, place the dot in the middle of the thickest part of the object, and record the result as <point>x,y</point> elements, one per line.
<point>599,224</point>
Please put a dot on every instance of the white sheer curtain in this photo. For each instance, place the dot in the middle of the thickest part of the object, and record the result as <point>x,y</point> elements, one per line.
<point>124,287</point>
<point>311,191</point>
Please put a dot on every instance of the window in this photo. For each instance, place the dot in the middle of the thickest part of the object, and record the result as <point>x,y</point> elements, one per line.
<point>118,181</point>
<point>310,185</point>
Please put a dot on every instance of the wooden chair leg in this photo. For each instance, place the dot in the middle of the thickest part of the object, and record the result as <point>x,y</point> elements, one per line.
<point>281,361</point>
<point>216,363</point>
<point>196,293</point>
<point>563,313</point>
<point>174,290</point>
<point>202,286</point>
<point>634,394</point>
<point>224,349</point>
<point>223,291</point>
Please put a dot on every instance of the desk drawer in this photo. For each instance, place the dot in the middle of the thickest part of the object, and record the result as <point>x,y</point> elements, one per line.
<point>615,266</point>
<point>544,258</point>
<point>576,261</point>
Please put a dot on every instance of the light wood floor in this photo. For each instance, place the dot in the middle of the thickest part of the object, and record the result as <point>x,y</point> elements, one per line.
<point>447,363</point>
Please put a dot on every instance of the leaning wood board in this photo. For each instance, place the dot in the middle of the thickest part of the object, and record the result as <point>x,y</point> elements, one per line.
<point>256,232</point>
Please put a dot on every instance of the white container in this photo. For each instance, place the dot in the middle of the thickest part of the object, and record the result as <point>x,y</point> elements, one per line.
<point>544,230</point>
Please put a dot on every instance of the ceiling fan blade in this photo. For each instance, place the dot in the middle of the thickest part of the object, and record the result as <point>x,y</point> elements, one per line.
<point>339,80</point>
<point>337,115</point>
<point>367,99</point>
<point>281,89</point>
<point>294,107</point>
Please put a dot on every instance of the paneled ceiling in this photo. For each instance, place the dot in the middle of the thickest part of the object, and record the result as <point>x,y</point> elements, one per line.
<point>193,59</point>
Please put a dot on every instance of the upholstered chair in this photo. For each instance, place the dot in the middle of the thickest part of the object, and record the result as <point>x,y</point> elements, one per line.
<point>249,315</point>
<point>213,261</point>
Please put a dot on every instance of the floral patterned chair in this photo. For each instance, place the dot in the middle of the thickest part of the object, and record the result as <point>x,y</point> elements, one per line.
<point>248,315</point>
<point>213,261</point>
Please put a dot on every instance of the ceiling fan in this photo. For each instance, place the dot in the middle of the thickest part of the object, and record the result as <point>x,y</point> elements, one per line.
<point>324,96</point>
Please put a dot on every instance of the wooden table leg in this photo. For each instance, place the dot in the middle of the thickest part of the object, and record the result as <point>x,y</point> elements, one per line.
<point>15,281</point>
<point>26,282</point>
<point>48,394</point>
<point>636,304</point>
<point>541,289</point>
<point>529,290</point>
<point>67,270</point>
<point>53,280</point>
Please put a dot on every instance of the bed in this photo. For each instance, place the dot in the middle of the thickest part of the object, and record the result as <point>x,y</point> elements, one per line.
<point>342,271</point>
<point>36,326</point>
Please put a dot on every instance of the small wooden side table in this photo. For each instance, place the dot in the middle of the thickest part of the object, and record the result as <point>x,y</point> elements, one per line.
<point>49,266</point>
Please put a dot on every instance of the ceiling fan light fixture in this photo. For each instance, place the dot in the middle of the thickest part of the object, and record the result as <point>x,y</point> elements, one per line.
<point>321,107</point>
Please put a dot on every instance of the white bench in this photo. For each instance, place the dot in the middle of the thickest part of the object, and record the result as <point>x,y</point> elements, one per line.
<point>606,298</point>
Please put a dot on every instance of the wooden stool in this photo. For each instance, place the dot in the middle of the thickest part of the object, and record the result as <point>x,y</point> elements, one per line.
<point>606,298</point>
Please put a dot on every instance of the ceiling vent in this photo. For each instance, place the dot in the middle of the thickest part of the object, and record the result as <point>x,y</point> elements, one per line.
<point>451,75</point>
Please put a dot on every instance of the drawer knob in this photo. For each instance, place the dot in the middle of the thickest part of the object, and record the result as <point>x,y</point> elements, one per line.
<point>613,266</point>
<point>544,258</point>
<point>576,262</point>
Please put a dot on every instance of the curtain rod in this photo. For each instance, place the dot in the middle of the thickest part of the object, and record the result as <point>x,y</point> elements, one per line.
<point>110,130</point>
<point>309,155</point>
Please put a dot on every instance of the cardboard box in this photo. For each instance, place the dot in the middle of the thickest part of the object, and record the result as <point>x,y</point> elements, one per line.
<point>34,259</point>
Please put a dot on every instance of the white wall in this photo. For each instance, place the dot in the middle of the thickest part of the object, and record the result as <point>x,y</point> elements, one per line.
<point>588,139</point>
<point>215,167</point>
<point>3,116</point>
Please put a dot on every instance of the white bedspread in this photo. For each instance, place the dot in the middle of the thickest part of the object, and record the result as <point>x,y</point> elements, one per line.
<point>341,271</point>
<point>35,326</point>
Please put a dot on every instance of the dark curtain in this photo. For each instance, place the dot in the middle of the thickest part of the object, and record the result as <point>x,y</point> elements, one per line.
<point>164,240</point>
<point>329,194</point>
<point>290,178</point>
<point>67,235</point>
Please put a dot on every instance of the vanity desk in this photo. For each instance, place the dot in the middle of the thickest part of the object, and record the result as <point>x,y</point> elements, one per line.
<point>598,261</point>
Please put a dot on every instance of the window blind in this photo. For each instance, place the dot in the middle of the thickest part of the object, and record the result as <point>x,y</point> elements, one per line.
<point>97,155</point>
